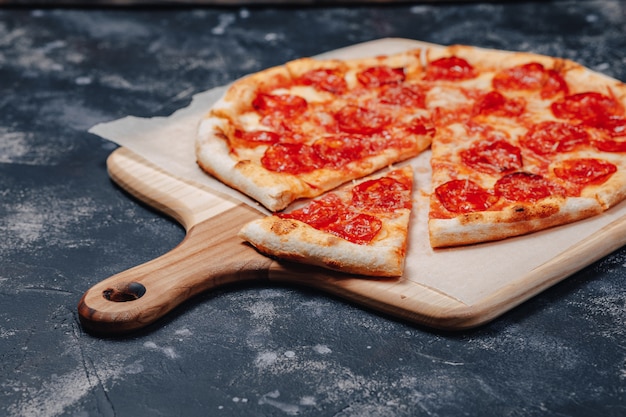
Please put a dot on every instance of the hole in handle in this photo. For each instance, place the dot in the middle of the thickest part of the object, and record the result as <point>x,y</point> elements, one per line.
<point>129,292</point>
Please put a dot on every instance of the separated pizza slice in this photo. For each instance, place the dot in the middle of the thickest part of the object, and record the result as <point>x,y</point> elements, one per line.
<point>542,144</point>
<point>360,228</point>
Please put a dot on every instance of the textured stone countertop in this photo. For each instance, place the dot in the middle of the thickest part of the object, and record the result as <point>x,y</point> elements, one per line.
<point>258,350</point>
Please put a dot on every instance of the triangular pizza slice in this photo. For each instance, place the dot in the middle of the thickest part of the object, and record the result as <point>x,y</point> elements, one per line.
<point>539,142</point>
<point>360,228</point>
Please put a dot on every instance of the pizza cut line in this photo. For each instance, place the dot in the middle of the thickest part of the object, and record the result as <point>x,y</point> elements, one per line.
<point>519,142</point>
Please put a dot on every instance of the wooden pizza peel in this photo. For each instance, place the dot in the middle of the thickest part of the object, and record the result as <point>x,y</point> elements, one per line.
<point>211,255</point>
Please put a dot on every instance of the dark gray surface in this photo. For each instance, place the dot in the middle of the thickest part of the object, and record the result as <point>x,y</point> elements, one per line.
<point>258,350</point>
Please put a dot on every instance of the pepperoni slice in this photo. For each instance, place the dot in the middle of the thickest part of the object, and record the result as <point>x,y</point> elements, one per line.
<point>554,84</point>
<point>291,158</point>
<point>403,95</point>
<point>590,108</point>
<point>464,196</point>
<point>325,79</point>
<point>421,126</point>
<point>548,138</point>
<point>492,157</point>
<point>318,213</point>
<point>585,171</point>
<point>383,195</point>
<point>287,104</point>
<point>363,120</point>
<point>380,75</point>
<point>520,77</point>
<point>532,76</point>
<point>613,125</point>
<point>360,228</point>
<point>339,150</point>
<point>258,137</point>
<point>610,145</point>
<point>496,104</point>
<point>525,187</point>
<point>450,69</point>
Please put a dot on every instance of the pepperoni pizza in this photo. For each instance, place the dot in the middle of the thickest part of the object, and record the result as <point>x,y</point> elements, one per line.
<point>519,142</point>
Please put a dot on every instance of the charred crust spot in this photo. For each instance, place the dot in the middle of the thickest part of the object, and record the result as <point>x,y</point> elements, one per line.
<point>242,164</point>
<point>546,210</point>
<point>332,264</point>
<point>284,227</point>
<point>540,211</point>
<point>469,218</point>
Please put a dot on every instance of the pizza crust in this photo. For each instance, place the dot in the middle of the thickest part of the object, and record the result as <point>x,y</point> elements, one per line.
<point>612,192</point>
<point>296,241</point>
<point>238,97</point>
<point>513,221</point>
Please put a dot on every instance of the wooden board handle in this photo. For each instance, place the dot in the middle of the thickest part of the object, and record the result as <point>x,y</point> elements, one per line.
<point>210,256</point>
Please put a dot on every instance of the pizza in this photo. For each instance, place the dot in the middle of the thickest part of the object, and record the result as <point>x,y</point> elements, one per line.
<point>360,228</point>
<point>519,142</point>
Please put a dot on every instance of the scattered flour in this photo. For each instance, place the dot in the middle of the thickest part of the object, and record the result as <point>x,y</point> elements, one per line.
<point>240,400</point>
<point>271,398</point>
<point>13,146</point>
<point>322,349</point>
<point>271,37</point>
<point>83,80</point>
<point>225,20</point>
<point>265,359</point>
<point>59,392</point>
<point>168,351</point>
<point>262,310</point>
<point>41,214</point>
<point>308,401</point>
<point>183,333</point>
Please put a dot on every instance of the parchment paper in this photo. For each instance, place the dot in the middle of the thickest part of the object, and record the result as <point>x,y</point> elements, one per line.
<point>467,274</point>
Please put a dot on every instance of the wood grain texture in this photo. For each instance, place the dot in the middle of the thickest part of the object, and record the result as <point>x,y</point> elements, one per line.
<point>211,255</point>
